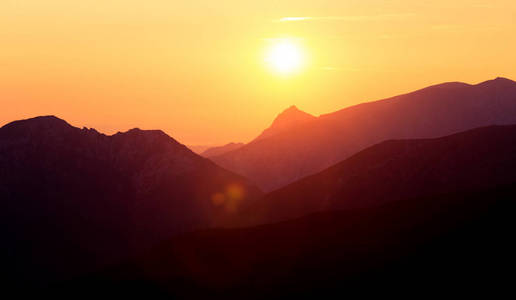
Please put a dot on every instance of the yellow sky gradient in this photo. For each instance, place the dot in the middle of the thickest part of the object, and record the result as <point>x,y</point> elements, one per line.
<point>196,68</point>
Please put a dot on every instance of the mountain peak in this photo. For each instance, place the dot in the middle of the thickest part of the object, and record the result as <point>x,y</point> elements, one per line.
<point>291,112</point>
<point>148,137</point>
<point>290,117</point>
<point>502,79</point>
<point>42,123</point>
<point>498,81</point>
<point>291,108</point>
<point>286,120</point>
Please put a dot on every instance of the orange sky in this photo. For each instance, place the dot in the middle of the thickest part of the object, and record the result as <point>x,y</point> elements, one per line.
<point>195,68</point>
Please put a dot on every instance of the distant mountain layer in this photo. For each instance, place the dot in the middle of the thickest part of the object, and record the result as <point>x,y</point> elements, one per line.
<point>198,148</point>
<point>214,151</point>
<point>74,200</point>
<point>275,160</point>
<point>397,170</point>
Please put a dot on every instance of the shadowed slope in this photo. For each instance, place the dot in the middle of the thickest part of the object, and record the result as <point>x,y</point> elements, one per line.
<point>74,199</point>
<point>429,245</point>
<point>396,170</point>
<point>436,111</point>
<point>404,216</point>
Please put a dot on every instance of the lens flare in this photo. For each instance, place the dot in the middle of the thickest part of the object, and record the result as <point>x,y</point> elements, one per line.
<point>230,199</point>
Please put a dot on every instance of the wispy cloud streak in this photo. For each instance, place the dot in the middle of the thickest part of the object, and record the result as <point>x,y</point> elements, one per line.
<point>347,18</point>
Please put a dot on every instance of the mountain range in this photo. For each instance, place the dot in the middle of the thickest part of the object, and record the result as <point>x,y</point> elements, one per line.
<point>407,216</point>
<point>314,144</point>
<point>413,191</point>
<point>396,170</point>
<point>75,200</point>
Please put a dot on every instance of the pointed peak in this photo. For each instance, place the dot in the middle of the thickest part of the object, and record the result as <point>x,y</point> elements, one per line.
<point>286,120</point>
<point>293,112</point>
<point>292,108</point>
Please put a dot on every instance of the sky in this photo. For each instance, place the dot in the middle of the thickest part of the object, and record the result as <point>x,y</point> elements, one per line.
<point>196,69</point>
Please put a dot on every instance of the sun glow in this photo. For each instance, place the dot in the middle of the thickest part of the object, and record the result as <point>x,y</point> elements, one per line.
<point>284,56</point>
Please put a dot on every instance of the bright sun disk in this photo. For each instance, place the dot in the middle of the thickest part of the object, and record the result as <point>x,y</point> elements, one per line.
<point>284,57</point>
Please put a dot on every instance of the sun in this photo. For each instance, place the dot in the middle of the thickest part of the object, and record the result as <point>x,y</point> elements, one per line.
<point>284,56</point>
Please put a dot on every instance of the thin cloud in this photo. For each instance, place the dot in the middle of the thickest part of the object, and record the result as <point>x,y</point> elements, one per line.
<point>456,28</point>
<point>347,18</point>
<point>294,19</point>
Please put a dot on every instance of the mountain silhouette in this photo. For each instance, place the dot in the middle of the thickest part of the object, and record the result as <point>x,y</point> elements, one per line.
<point>276,160</point>
<point>215,151</point>
<point>442,244</point>
<point>198,148</point>
<point>288,119</point>
<point>397,170</point>
<point>75,200</point>
<point>401,216</point>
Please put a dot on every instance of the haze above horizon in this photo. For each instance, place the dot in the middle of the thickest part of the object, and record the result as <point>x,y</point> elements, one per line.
<point>195,69</point>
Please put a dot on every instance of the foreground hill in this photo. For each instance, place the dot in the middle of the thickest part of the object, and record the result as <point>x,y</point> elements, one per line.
<point>74,200</point>
<point>286,156</point>
<point>434,245</point>
<point>397,170</point>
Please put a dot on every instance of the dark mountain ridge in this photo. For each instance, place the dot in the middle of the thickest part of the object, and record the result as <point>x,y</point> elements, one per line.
<point>433,245</point>
<point>75,199</point>
<point>403,216</point>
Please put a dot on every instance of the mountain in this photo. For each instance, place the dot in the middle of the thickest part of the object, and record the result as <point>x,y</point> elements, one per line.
<point>397,170</point>
<point>277,160</point>
<point>198,148</point>
<point>215,151</point>
<point>74,200</point>
<point>288,119</point>
<point>403,216</point>
<point>445,244</point>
